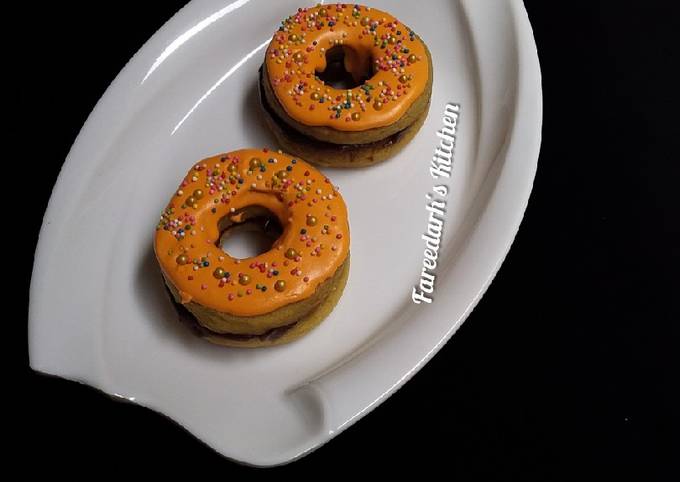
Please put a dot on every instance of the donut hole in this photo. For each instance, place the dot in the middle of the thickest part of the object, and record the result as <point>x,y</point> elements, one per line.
<point>248,232</point>
<point>336,74</point>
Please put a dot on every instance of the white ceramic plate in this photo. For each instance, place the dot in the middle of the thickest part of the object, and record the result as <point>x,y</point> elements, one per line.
<point>99,313</point>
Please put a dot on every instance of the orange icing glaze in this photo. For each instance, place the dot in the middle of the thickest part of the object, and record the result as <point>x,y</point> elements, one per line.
<point>311,211</point>
<point>369,36</point>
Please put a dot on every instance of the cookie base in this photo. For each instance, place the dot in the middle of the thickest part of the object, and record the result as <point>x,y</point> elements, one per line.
<point>279,335</point>
<point>337,155</point>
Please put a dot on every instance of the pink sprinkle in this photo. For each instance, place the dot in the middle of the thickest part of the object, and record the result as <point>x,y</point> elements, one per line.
<point>333,218</point>
<point>249,291</point>
<point>339,236</point>
<point>204,287</point>
<point>231,296</point>
<point>274,263</point>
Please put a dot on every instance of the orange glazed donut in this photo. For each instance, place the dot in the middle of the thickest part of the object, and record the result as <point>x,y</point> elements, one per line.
<point>271,298</point>
<point>388,65</point>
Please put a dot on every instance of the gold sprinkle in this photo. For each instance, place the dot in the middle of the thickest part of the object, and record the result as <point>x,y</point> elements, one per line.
<point>182,259</point>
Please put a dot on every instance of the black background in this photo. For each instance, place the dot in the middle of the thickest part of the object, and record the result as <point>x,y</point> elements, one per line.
<point>566,367</point>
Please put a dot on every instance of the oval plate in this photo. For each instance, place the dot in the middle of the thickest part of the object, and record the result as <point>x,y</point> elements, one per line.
<point>99,313</point>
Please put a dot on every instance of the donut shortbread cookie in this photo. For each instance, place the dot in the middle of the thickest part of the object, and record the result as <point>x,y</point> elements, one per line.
<point>387,62</point>
<point>271,298</point>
